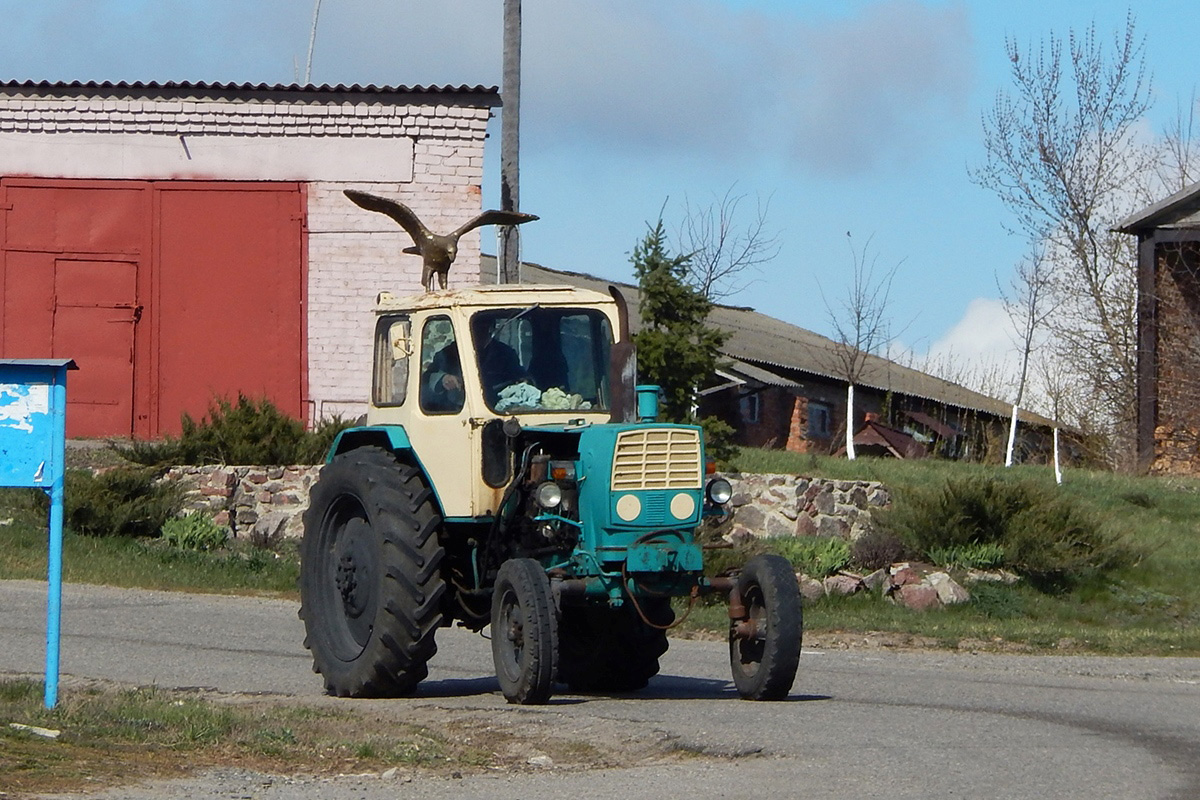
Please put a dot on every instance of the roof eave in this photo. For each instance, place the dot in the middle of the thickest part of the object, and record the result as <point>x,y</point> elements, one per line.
<point>488,96</point>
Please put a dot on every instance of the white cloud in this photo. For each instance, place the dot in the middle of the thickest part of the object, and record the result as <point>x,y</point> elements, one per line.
<point>829,92</point>
<point>978,351</point>
<point>985,332</point>
<point>692,76</point>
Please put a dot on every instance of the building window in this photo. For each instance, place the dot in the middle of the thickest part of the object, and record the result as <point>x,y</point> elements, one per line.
<point>819,426</point>
<point>751,407</point>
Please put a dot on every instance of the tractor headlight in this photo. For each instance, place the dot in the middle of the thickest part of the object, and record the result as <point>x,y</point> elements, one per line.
<point>548,495</point>
<point>719,491</point>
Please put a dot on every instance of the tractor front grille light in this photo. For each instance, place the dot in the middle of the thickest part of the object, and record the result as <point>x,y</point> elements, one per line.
<point>657,458</point>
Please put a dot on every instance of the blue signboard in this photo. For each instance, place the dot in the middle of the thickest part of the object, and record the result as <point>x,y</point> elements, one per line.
<point>33,414</point>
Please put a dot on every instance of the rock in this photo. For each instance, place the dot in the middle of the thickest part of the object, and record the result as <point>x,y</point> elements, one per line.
<point>949,592</point>
<point>806,526</point>
<point>904,575</point>
<point>540,760</point>
<point>777,526</point>
<point>811,589</point>
<point>858,497</point>
<point>832,526</point>
<point>268,528</point>
<point>992,576</point>
<point>877,579</point>
<point>843,584</point>
<point>917,596</point>
<point>823,503</point>
<point>751,517</point>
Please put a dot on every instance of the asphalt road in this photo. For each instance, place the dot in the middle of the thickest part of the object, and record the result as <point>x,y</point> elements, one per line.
<point>859,722</point>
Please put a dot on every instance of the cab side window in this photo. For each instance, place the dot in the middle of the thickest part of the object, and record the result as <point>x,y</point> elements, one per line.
<point>393,346</point>
<point>441,368</point>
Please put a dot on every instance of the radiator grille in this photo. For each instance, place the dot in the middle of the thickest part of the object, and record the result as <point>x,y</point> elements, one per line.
<point>657,458</point>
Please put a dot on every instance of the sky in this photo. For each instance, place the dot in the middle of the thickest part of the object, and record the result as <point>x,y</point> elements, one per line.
<point>859,117</point>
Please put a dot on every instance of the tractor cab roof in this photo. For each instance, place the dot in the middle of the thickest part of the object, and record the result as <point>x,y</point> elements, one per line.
<point>492,296</point>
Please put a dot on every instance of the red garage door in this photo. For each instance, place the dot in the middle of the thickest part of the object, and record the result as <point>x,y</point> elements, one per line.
<point>167,294</point>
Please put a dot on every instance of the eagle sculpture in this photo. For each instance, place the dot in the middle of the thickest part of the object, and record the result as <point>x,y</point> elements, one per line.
<point>436,251</point>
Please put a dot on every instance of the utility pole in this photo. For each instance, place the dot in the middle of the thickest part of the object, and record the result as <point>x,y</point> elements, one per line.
<point>509,257</point>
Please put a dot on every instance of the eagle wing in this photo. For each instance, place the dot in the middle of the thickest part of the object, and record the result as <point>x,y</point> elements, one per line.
<point>495,218</point>
<point>397,211</point>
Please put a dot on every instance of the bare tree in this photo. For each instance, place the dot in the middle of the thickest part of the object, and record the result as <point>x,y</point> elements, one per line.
<point>1063,152</point>
<point>724,251</point>
<point>1029,303</point>
<point>860,322</point>
<point>1179,162</point>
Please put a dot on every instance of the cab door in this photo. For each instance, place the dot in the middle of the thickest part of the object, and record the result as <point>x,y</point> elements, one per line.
<point>440,429</point>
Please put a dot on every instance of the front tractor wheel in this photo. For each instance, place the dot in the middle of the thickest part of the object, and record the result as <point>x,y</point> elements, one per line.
<point>524,632</point>
<point>370,586</point>
<point>764,643</point>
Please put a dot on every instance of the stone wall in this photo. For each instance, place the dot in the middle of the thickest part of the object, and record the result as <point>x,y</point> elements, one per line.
<point>264,503</point>
<point>269,502</point>
<point>796,505</point>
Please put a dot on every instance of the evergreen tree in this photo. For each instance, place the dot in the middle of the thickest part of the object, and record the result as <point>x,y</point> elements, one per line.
<point>676,347</point>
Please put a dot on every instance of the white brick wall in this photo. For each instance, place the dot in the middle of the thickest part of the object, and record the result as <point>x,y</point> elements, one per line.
<point>434,164</point>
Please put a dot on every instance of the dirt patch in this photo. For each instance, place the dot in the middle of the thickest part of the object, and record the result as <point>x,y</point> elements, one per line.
<point>113,735</point>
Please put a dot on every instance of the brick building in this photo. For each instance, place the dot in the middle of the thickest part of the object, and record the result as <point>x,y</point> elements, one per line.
<point>1168,369</point>
<point>186,240</point>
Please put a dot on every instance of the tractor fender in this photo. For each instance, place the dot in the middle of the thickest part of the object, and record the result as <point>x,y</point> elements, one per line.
<point>392,438</point>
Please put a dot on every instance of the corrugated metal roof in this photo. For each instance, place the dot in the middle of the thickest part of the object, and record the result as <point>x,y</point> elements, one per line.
<point>140,88</point>
<point>1181,207</point>
<point>763,341</point>
<point>742,369</point>
<point>900,443</point>
<point>937,426</point>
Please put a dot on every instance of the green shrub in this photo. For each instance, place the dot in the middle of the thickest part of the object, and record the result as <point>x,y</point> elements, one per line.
<point>248,432</point>
<point>816,556</point>
<point>718,441</point>
<point>194,531</point>
<point>119,502</point>
<point>1043,535</point>
<point>997,600</point>
<point>877,549</point>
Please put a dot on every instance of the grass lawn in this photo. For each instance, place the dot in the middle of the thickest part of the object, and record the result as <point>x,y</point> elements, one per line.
<point>1151,607</point>
<point>139,562</point>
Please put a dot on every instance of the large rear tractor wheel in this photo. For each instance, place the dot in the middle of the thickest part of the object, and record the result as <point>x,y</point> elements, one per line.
<point>370,586</point>
<point>524,632</point>
<point>764,645</point>
<point>612,649</point>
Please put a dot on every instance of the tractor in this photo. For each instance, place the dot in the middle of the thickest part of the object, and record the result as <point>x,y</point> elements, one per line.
<point>511,473</point>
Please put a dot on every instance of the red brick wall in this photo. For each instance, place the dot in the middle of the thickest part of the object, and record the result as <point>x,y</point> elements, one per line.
<point>1177,431</point>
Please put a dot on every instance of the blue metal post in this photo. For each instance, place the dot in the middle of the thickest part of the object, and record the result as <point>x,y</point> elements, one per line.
<point>54,593</point>
<point>54,561</point>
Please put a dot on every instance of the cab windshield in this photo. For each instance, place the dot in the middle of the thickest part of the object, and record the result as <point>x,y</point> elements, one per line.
<point>543,359</point>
